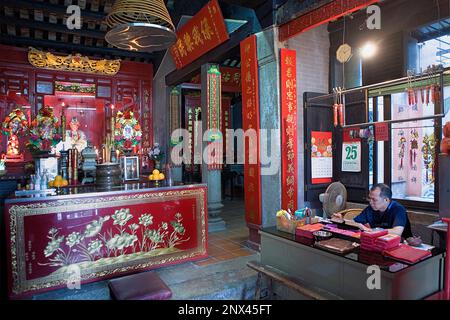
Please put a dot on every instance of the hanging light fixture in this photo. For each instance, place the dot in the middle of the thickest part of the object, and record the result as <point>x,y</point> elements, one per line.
<point>140,25</point>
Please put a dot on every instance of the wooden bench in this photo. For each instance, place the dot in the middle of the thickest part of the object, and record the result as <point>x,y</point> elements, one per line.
<point>293,283</point>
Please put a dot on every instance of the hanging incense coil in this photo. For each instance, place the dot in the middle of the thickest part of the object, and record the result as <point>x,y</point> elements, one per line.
<point>140,25</point>
<point>145,11</point>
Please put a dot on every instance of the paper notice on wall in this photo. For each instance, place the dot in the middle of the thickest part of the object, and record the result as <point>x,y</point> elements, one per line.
<point>321,157</point>
<point>351,156</point>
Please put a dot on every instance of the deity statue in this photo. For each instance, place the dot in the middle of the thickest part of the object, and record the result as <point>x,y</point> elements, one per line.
<point>75,138</point>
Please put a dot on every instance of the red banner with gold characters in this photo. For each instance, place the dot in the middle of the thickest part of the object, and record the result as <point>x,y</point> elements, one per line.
<point>231,79</point>
<point>328,12</point>
<point>205,31</point>
<point>288,130</point>
<point>250,120</point>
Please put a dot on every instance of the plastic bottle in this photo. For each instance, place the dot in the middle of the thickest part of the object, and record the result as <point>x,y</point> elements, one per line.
<point>37,182</point>
<point>32,177</point>
<point>44,181</point>
<point>169,177</point>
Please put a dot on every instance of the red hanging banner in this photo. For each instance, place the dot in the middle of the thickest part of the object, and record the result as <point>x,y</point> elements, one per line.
<point>231,79</point>
<point>328,12</point>
<point>288,129</point>
<point>250,121</point>
<point>381,132</point>
<point>205,31</point>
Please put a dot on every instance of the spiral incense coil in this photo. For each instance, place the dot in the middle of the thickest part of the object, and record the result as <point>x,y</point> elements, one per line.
<point>146,11</point>
<point>140,25</point>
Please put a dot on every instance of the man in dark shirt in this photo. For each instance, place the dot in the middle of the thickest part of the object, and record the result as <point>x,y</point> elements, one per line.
<point>383,212</point>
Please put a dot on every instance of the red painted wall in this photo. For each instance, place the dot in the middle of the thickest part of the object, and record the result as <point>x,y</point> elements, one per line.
<point>130,87</point>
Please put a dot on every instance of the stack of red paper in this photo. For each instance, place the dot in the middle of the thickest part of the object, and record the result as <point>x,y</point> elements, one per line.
<point>368,239</point>
<point>308,230</point>
<point>387,242</point>
<point>348,233</point>
<point>407,254</point>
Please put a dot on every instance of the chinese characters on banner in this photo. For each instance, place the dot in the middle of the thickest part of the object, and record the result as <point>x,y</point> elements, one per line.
<point>205,31</point>
<point>250,120</point>
<point>146,117</point>
<point>231,79</point>
<point>175,114</point>
<point>321,15</point>
<point>193,111</point>
<point>214,101</point>
<point>226,118</point>
<point>381,131</point>
<point>288,129</point>
<point>321,157</point>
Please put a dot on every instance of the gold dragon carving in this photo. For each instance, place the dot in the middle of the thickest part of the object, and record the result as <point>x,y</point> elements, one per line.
<point>75,63</point>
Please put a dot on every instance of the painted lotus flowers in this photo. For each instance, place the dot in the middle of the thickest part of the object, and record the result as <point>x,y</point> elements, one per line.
<point>98,240</point>
<point>122,216</point>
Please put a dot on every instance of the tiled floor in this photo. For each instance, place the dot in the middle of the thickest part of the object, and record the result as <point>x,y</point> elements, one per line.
<point>230,243</point>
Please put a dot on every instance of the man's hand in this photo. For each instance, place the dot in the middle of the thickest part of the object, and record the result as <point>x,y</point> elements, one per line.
<point>336,215</point>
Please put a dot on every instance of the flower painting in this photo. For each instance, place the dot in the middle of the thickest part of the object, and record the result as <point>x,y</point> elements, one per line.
<point>112,237</point>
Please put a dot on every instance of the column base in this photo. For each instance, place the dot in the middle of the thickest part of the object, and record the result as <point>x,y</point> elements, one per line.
<point>254,238</point>
<point>216,224</point>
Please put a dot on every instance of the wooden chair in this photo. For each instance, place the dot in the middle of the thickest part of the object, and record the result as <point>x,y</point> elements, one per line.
<point>350,214</point>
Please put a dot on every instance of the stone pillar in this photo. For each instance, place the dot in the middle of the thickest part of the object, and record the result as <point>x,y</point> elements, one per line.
<point>175,123</point>
<point>212,177</point>
<point>269,106</point>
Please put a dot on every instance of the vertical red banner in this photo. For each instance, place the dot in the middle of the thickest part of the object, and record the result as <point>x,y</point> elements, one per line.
<point>288,130</point>
<point>250,120</point>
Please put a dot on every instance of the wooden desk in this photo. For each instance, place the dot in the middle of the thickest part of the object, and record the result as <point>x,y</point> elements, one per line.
<point>347,276</point>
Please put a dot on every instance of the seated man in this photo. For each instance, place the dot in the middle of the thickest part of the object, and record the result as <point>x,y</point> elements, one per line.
<point>383,212</point>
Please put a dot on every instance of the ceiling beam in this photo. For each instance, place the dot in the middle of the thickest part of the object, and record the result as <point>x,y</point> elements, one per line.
<point>51,27</point>
<point>246,3</point>
<point>77,48</point>
<point>214,56</point>
<point>48,7</point>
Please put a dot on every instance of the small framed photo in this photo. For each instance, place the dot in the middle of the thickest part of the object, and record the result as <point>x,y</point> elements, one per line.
<point>130,167</point>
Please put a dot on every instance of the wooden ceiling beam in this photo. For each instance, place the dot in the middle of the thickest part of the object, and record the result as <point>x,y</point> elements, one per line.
<point>32,24</point>
<point>49,8</point>
<point>76,48</point>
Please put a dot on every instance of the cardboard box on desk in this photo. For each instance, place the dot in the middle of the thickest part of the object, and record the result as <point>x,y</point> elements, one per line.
<point>290,226</point>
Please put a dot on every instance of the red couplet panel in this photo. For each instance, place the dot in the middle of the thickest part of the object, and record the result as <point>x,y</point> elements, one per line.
<point>250,121</point>
<point>102,237</point>
<point>289,167</point>
<point>205,31</point>
<point>328,12</point>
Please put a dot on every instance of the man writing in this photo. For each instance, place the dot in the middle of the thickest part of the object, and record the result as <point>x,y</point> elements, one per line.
<point>383,212</point>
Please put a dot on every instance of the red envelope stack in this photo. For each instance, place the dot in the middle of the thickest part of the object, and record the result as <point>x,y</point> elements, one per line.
<point>308,229</point>
<point>368,239</point>
<point>387,242</point>
<point>407,254</point>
